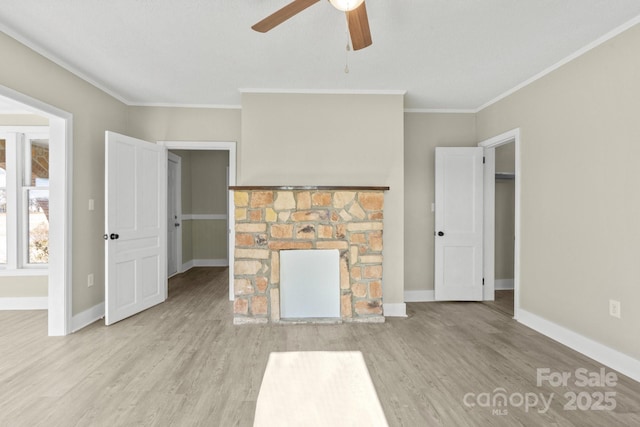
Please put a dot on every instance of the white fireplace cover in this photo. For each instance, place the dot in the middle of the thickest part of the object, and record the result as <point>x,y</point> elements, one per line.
<point>309,284</point>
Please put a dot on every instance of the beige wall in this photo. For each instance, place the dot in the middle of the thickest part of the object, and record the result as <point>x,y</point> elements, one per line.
<point>580,235</point>
<point>23,120</point>
<point>423,132</point>
<point>307,139</point>
<point>23,286</point>
<point>184,124</point>
<point>93,112</point>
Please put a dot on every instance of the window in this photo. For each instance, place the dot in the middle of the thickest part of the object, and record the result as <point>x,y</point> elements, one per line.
<point>24,197</point>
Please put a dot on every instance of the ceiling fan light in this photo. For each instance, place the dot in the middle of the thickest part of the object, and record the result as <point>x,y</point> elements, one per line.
<point>346,5</point>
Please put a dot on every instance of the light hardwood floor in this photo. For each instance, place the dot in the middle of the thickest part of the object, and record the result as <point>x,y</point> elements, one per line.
<point>183,363</point>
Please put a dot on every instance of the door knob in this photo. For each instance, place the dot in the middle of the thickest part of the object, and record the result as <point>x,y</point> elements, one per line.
<point>114,236</point>
<point>177,224</point>
<point>440,233</point>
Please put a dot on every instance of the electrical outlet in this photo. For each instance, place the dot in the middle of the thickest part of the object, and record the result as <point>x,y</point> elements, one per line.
<point>614,308</point>
<point>91,205</point>
<point>90,280</point>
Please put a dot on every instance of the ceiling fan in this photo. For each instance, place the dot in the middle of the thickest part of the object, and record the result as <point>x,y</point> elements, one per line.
<point>356,18</point>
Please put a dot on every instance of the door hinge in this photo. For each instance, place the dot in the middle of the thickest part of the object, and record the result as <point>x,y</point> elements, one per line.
<point>483,281</point>
<point>483,160</point>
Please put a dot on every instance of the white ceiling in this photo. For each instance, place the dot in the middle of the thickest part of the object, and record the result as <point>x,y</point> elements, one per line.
<point>447,54</point>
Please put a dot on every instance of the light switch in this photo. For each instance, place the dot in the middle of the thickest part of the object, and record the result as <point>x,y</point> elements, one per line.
<point>91,205</point>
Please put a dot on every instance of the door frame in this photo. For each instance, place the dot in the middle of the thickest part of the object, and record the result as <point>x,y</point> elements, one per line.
<point>489,145</point>
<point>60,208</point>
<point>229,146</point>
<point>178,190</point>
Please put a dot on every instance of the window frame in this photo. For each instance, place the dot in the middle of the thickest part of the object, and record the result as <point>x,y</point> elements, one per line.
<point>18,141</point>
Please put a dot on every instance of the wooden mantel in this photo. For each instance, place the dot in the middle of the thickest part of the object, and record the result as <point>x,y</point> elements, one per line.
<point>305,187</point>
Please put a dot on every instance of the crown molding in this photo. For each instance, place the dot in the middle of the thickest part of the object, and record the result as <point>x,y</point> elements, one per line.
<point>325,91</point>
<point>441,110</point>
<point>597,42</point>
<point>61,63</point>
<point>178,105</point>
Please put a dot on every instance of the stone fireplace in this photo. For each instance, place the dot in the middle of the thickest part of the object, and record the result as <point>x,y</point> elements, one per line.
<point>271,219</point>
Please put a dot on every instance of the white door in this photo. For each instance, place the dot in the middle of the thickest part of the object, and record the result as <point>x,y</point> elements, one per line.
<point>173,215</point>
<point>136,182</point>
<point>458,224</point>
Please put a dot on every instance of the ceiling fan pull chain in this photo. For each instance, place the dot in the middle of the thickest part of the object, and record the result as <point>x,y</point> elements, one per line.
<point>346,55</point>
<point>346,60</point>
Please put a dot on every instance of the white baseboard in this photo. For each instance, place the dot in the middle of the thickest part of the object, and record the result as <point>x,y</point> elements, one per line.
<point>622,363</point>
<point>24,303</point>
<point>419,296</point>
<point>87,317</point>
<point>503,284</point>
<point>192,217</point>
<point>221,262</point>
<point>395,310</point>
<point>186,266</point>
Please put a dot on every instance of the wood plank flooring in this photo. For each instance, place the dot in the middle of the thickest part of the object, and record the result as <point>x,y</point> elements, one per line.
<point>183,363</point>
<point>503,302</point>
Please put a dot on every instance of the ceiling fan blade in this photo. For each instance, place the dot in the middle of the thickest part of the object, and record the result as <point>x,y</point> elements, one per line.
<point>359,27</point>
<point>282,15</point>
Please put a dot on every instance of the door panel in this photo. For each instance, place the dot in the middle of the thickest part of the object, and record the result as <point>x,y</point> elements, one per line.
<point>149,276</point>
<point>125,218</point>
<point>458,188</point>
<point>458,224</point>
<point>124,294</point>
<point>135,226</point>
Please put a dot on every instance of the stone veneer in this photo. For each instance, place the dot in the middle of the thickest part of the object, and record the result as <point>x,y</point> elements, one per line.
<point>270,220</point>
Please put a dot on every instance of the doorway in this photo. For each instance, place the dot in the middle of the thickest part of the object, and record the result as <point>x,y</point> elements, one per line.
<point>174,214</point>
<point>502,222</point>
<point>204,214</point>
<point>59,207</point>
<point>504,227</point>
